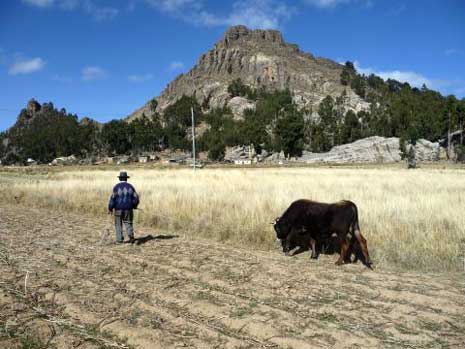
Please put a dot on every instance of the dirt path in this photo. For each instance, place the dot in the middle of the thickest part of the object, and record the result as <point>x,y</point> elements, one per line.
<point>62,286</point>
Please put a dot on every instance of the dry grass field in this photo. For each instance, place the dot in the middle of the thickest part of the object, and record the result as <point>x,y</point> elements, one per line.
<point>412,219</point>
<point>206,271</point>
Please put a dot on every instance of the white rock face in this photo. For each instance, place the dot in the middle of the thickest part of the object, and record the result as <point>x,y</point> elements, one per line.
<point>426,150</point>
<point>238,105</point>
<point>69,160</point>
<point>239,152</point>
<point>372,150</point>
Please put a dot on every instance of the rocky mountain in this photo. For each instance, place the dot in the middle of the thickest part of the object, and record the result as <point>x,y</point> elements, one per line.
<point>260,58</point>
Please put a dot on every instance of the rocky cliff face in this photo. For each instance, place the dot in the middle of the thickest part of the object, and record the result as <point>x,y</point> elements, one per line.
<point>259,58</point>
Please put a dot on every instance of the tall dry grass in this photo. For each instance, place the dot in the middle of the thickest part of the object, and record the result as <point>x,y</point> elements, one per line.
<point>411,219</point>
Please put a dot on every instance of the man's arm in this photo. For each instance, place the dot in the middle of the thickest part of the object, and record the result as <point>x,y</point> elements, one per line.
<point>135,199</point>
<point>111,202</point>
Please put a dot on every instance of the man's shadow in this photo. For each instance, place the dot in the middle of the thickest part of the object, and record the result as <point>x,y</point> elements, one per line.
<point>144,239</point>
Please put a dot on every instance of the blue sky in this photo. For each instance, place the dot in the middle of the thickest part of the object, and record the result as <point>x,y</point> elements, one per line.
<point>104,59</point>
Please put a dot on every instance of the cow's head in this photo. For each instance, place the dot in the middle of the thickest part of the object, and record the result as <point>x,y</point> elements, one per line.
<point>281,228</point>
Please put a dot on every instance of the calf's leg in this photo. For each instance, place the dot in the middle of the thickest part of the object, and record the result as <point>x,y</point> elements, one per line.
<point>344,249</point>
<point>313,245</point>
<point>363,245</point>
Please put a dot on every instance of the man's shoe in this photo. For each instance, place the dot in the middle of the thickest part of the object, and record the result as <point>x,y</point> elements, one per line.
<point>119,242</point>
<point>131,240</point>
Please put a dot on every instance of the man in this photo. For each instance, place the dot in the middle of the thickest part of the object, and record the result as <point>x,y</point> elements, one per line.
<point>123,201</point>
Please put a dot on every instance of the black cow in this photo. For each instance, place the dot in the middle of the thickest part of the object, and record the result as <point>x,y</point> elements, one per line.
<point>320,221</point>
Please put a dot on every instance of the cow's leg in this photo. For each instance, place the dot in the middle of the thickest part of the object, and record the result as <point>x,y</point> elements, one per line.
<point>287,243</point>
<point>350,251</point>
<point>363,245</point>
<point>299,250</point>
<point>344,249</point>
<point>313,245</point>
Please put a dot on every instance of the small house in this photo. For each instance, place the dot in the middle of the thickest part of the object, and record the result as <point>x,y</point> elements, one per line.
<point>143,159</point>
<point>122,160</point>
<point>242,162</point>
<point>31,162</point>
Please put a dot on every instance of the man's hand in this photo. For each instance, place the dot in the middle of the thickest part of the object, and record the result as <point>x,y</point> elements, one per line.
<point>110,212</point>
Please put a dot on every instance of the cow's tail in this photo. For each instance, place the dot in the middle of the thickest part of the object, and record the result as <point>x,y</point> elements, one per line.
<point>354,226</point>
<point>358,235</point>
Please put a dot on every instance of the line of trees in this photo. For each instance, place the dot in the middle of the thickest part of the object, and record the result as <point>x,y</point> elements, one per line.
<point>276,123</point>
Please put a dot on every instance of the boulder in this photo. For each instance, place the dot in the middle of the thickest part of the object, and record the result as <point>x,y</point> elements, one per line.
<point>65,161</point>
<point>373,150</point>
<point>238,105</point>
<point>237,152</point>
<point>426,150</point>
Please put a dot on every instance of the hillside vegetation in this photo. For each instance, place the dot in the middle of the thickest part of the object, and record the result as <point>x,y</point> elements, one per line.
<point>276,124</point>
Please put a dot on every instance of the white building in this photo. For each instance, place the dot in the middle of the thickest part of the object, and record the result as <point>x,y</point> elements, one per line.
<point>242,162</point>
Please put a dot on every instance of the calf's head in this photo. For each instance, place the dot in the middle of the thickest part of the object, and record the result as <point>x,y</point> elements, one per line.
<point>281,228</point>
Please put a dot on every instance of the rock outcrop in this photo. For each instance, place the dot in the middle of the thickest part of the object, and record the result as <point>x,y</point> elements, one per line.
<point>65,161</point>
<point>260,58</point>
<point>238,105</point>
<point>373,150</point>
<point>426,150</point>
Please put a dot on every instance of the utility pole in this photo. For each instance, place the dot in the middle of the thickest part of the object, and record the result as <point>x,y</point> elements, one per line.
<point>193,138</point>
<point>449,139</point>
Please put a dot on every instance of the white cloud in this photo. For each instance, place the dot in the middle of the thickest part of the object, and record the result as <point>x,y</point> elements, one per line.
<point>39,3</point>
<point>93,73</point>
<point>264,14</point>
<point>26,66</point>
<point>326,3</point>
<point>176,65</point>
<point>174,5</point>
<point>413,78</point>
<point>88,6</point>
<point>445,86</point>
<point>99,13</point>
<point>140,78</point>
<point>335,3</point>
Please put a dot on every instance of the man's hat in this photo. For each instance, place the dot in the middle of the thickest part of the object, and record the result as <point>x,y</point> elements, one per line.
<point>123,175</point>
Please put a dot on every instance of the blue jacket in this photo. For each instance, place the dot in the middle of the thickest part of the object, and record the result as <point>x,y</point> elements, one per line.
<point>124,197</point>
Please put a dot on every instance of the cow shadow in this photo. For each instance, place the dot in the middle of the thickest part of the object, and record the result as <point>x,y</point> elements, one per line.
<point>144,239</point>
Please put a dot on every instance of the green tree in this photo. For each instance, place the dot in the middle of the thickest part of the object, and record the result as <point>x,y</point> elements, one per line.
<point>348,73</point>
<point>50,134</point>
<point>327,123</point>
<point>178,120</point>
<point>117,136</point>
<point>289,132</point>
<point>351,128</point>
<point>238,89</point>
<point>153,105</point>
<point>358,84</point>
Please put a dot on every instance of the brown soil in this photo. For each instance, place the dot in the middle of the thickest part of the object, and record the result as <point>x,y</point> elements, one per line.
<point>63,284</point>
